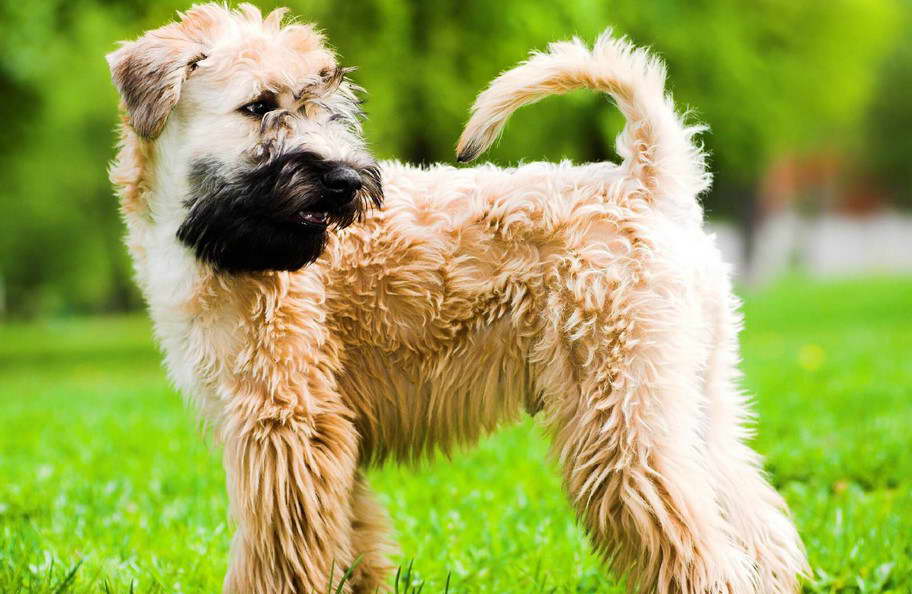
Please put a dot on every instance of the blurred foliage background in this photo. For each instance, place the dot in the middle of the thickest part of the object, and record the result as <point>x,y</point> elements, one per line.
<point>810,105</point>
<point>772,77</point>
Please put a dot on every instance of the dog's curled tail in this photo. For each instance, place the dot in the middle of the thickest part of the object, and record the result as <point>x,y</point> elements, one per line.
<point>657,146</point>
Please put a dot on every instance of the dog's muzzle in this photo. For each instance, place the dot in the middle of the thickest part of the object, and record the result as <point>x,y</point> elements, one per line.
<point>338,187</point>
<point>274,215</point>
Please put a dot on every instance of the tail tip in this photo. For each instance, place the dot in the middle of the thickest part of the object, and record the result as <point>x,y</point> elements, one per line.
<point>468,152</point>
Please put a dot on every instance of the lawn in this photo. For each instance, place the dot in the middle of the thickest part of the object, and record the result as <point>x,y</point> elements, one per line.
<point>107,485</point>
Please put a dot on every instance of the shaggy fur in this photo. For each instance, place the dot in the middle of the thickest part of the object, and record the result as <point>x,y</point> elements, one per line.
<point>589,294</point>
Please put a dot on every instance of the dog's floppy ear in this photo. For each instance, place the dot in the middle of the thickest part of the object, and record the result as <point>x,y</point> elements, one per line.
<point>150,71</point>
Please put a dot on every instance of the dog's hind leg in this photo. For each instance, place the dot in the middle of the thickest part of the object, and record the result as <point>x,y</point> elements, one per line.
<point>757,512</point>
<point>624,401</point>
<point>371,541</point>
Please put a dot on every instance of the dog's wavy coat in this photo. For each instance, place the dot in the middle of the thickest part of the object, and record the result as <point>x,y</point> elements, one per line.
<point>589,294</point>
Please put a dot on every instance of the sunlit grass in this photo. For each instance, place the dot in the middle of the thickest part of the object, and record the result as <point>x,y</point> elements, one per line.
<point>107,485</point>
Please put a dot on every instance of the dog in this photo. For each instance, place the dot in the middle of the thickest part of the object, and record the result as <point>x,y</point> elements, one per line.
<point>325,312</point>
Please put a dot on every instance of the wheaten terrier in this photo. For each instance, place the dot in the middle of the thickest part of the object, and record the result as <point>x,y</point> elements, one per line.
<point>315,347</point>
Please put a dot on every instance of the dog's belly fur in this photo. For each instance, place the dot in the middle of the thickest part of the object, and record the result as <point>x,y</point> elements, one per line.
<point>451,300</point>
<point>407,407</point>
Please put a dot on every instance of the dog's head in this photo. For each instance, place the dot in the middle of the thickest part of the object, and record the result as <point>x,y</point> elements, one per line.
<point>255,136</point>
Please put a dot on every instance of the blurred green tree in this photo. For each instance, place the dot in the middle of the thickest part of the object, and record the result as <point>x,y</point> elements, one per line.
<point>769,76</point>
<point>887,148</point>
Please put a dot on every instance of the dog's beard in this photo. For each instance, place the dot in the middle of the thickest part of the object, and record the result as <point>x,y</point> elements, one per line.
<point>257,218</point>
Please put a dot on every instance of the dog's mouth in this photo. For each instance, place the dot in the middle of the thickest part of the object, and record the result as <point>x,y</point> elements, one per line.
<point>318,217</point>
<point>312,218</point>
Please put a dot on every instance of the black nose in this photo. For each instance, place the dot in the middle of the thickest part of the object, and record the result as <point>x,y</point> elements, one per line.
<point>341,183</point>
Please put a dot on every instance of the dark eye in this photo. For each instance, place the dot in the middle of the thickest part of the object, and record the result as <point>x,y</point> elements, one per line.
<point>258,108</point>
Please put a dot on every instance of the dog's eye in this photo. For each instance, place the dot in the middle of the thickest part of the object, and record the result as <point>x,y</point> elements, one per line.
<point>258,108</point>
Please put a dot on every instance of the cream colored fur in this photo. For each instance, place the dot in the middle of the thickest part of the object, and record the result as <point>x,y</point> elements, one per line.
<point>589,294</point>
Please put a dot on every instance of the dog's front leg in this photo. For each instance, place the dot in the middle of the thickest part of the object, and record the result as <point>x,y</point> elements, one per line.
<point>290,477</point>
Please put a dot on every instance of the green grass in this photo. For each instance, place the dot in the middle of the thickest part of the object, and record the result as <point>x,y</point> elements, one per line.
<point>107,485</point>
